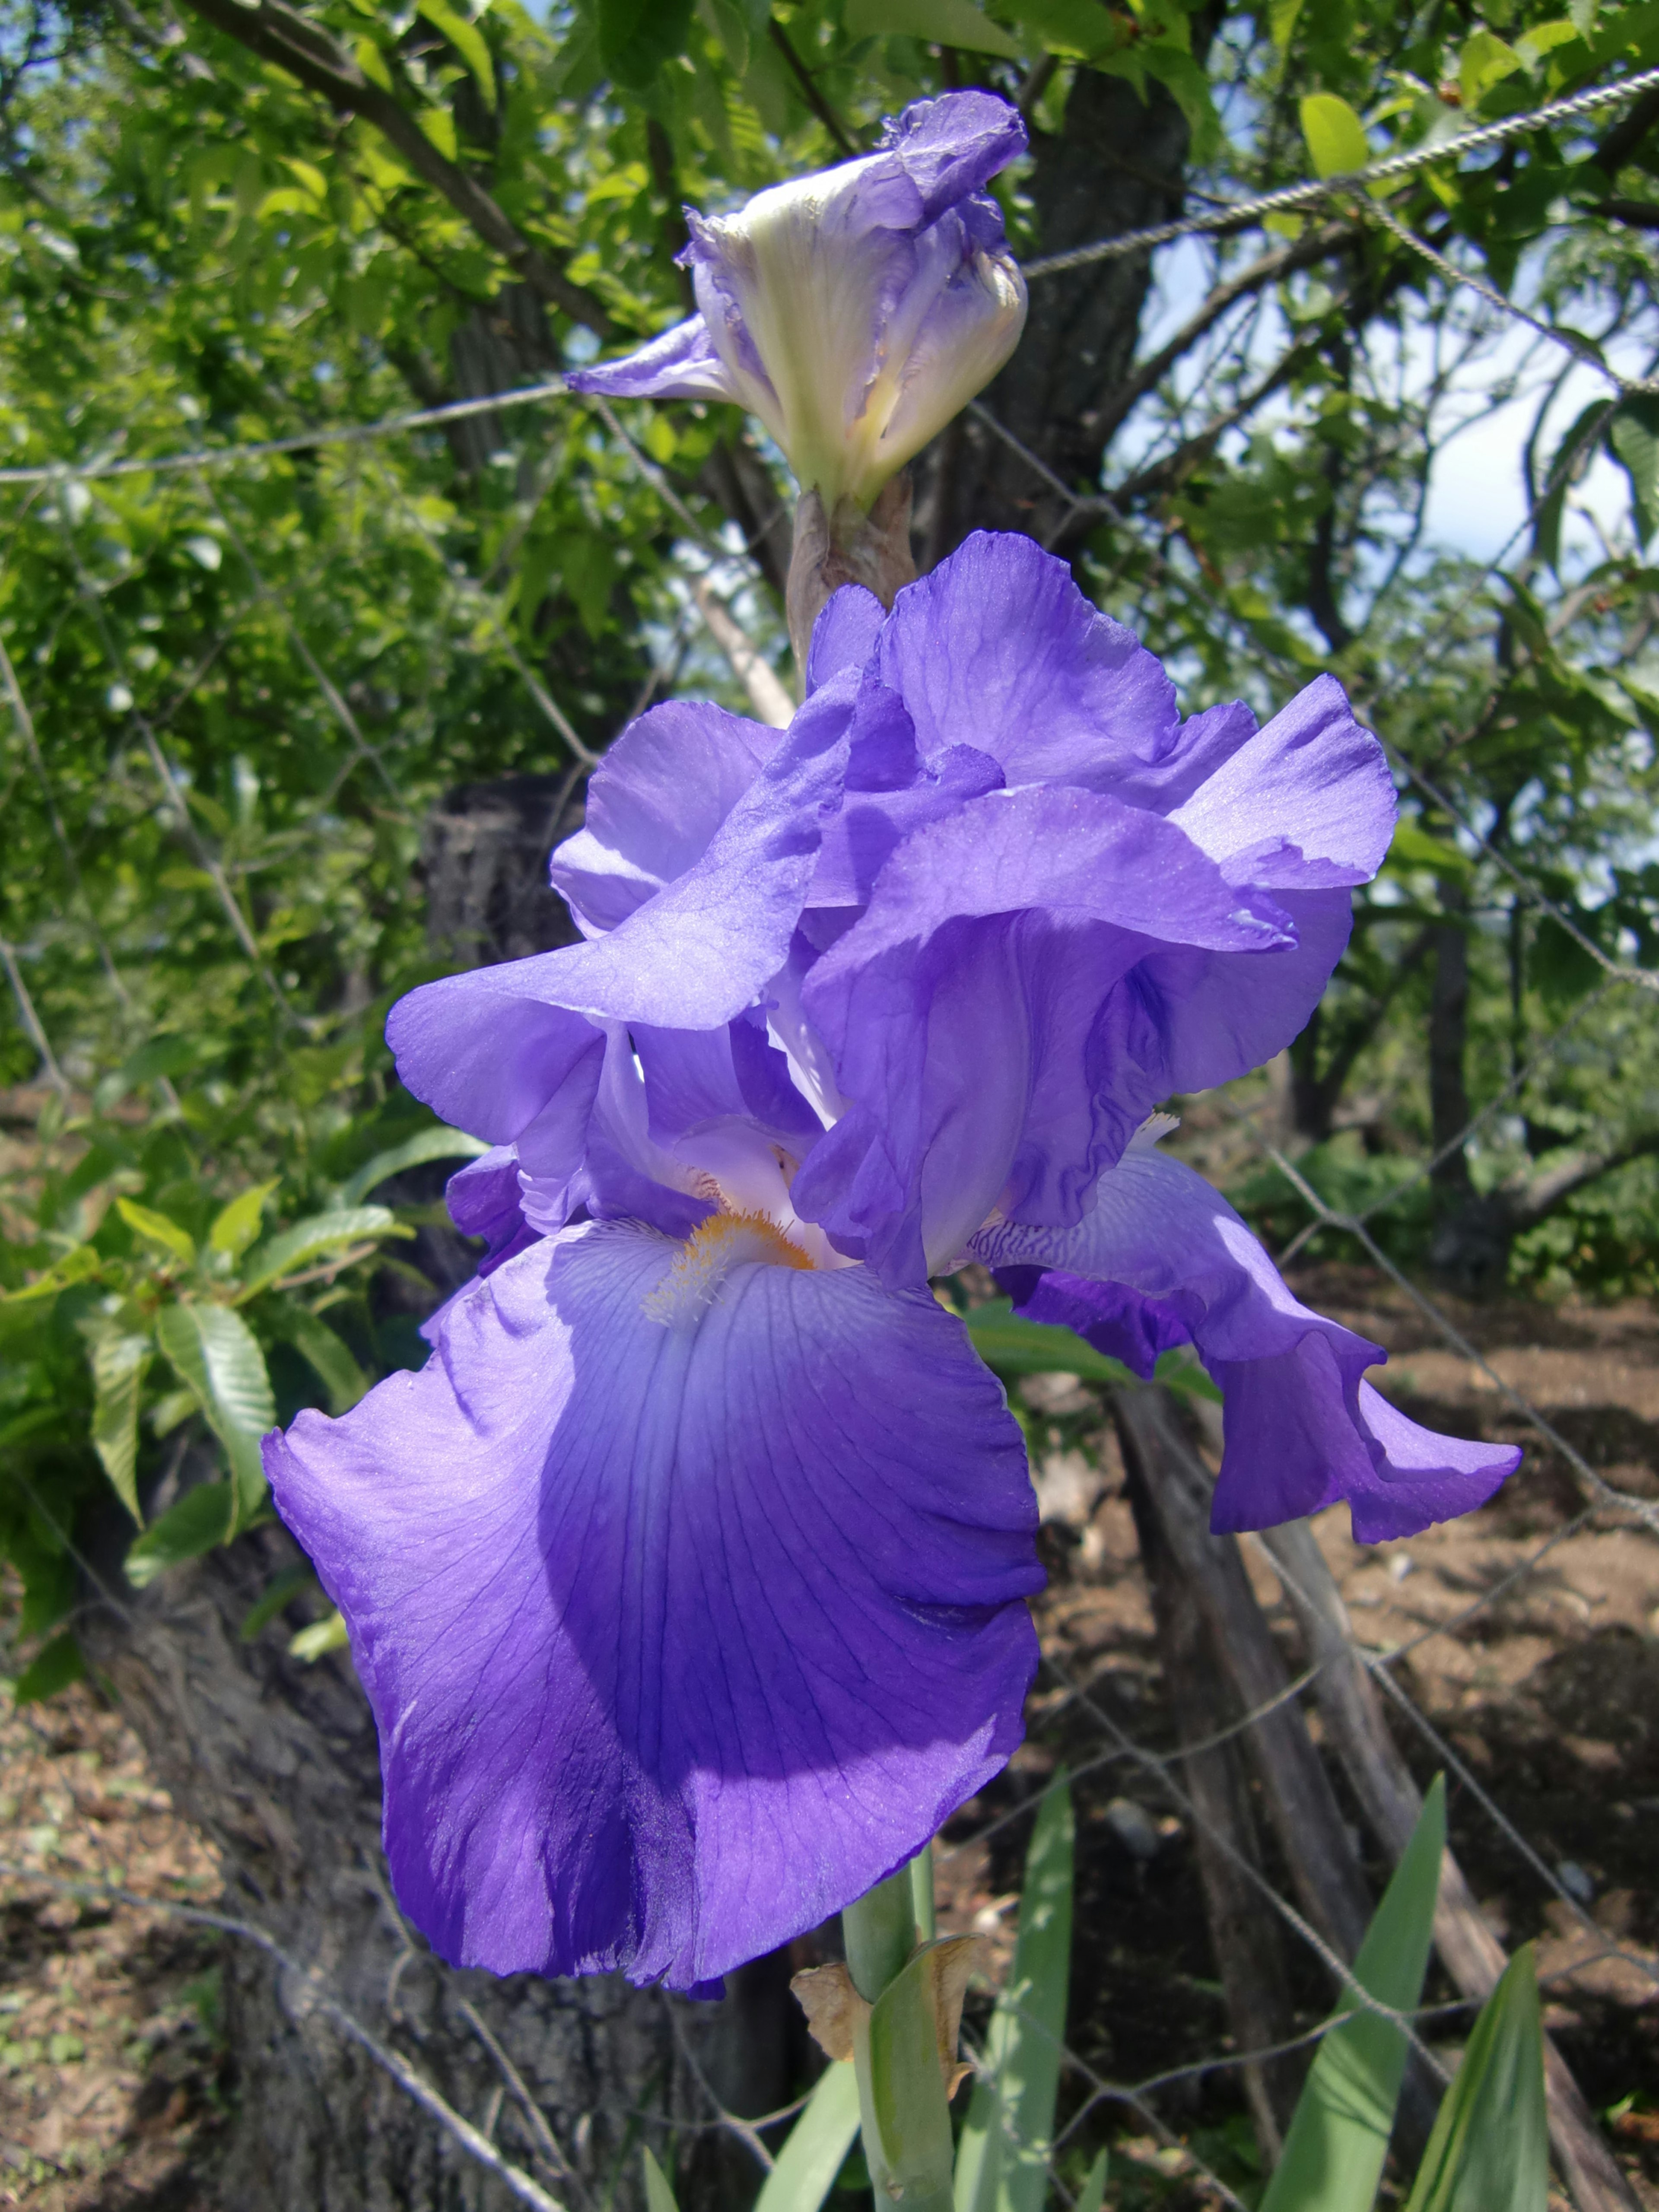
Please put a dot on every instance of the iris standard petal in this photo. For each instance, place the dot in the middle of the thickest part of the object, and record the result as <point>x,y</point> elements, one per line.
<point>680,1633</point>
<point>1302,1428</point>
<point>954,145</point>
<point>681,364</point>
<point>988,1019</point>
<point>654,804</point>
<point>999,649</point>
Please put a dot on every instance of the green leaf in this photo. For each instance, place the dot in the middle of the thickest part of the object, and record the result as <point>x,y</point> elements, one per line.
<point>1009,1346</point>
<point>308,1240</point>
<point>1568,465</point>
<point>1414,846</point>
<point>468,42</point>
<point>311,1336</point>
<point>281,1591</point>
<point>658,2196</point>
<point>50,1671</point>
<point>1633,441</point>
<point>156,1229</point>
<point>329,1634</point>
<point>118,1373</point>
<point>938,22</point>
<point>1281,21</point>
<point>1338,2136</point>
<point>636,37</point>
<point>236,1227</point>
<point>1007,2142</point>
<point>817,2145</point>
<point>1082,28</point>
<point>1091,2196</point>
<point>203,1517</point>
<point>430,1145</point>
<point>903,2086</point>
<point>1337,145</point>
<point>218,1357</point>
<point>1485,60</point>
<point>1489,2151</point>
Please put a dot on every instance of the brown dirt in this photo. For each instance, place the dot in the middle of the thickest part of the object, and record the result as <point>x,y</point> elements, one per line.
<point>1545,1687</point>
<point>110,2083</point>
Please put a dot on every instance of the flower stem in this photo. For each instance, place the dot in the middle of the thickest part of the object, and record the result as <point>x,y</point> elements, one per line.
<point>904,2119</point>
<point>879,1932</point>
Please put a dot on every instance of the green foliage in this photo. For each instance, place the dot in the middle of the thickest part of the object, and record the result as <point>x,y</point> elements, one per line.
<point>1004,2153</point>
<point>1489,2151</point>
<point>1339,2135</point>
<point>816,2148</point>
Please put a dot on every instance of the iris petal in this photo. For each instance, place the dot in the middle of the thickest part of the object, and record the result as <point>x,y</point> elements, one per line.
<point>1302,1428</point>
<point>678,1637</point>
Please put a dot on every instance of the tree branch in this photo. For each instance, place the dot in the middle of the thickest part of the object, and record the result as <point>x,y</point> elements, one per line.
<point>1554,1190</point>
<point>1175,468</point>
<point>1104,421</point>
<point>277,34</point>
<point>809,90</point>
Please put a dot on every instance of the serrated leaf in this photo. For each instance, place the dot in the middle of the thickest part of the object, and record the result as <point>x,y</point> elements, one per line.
<point>817,2145</point>
<point>50,1671</point>
<point>1339,2136</point>
<point>938,22</point>
<point>156,1229</point>
<point>117,1362</point>
<point>1336,137</point>
<point>1632,436</point>
<point>1011,1345</point>
<point>286,1253</point>
<point>1489,2150</point>
<point>440,1144</point>
<point>468,42</point>
<point>1485,60</point>
<point>203,1517</point>
<point>636,37</point>
<point>658,2196</point>
<point>235,1228</point>
<point>1007,2142</point>
<point>218,1357</point>
<point>316,1342</point>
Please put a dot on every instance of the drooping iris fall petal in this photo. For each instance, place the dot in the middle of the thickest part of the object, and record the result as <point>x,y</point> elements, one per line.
<point>687,1586</point>
<point>1161,1259</point>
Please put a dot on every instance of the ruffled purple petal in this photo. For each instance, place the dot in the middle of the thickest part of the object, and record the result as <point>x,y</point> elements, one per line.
<point>844,635</point>
<point>999,649</point>
<point>1302,1428</point>
<point>484,1199</point>
<point>681,364</point>
<point>987,1017</point>
<point>953,145</point>
<point>654,804</point>
<point>678,1635</point>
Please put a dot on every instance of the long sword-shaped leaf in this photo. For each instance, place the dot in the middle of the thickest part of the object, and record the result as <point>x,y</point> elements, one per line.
<point>1092,2195</point>
<point>218,1357</point>
<point>1490,2150</point>
<point>817,2145</point>
<point>1002,2160</point>
<point>1338,2137</point>
<point>658,2196</point>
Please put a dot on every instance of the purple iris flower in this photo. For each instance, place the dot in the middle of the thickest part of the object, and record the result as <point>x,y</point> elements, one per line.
<point>855,311</point>
<point>688,1579</point>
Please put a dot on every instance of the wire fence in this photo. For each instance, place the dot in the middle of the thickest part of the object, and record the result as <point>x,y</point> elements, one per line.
<point>1159,1766</point>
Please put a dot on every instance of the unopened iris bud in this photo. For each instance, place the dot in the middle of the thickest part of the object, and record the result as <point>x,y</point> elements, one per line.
<point>856,311</point>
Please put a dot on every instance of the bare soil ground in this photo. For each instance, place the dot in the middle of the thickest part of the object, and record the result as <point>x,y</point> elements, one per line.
<point>1535,1639</point>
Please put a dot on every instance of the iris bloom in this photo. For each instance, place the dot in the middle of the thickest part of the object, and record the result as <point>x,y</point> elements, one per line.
<point>855,311</point>
<point>688,1578</point>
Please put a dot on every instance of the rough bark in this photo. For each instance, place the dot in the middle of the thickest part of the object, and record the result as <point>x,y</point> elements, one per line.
<point>484,857</point>
<point>275,1762</point>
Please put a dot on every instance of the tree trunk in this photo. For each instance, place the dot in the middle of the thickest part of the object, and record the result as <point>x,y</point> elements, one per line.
<point>1117,164</point>
<point>275,1762</point>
